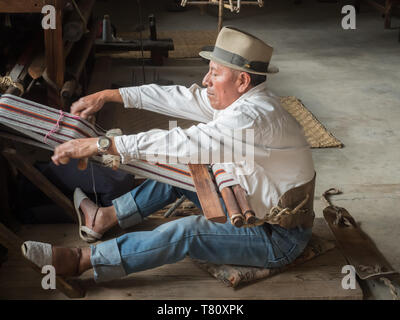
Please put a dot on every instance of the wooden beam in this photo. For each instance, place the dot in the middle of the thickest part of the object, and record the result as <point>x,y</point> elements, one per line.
<point>13,242</point>
<point>25,6</point>
<point>5,210</point>
<point>135,45</point>
<point>355,245</point>
<point>74,26</point>
<point>207,193</point>
<point>385,9</point>
<point>376,5</point>
<point>37,178</point>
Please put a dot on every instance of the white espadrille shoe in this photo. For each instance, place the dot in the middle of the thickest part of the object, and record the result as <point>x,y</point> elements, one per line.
<point>85,232</point>
<point>39,253</point>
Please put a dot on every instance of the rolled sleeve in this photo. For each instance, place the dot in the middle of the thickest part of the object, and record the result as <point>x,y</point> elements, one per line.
<point>127,211</point>
<point>131,97</point>
<point>127,147</point>
<point>106,261</point>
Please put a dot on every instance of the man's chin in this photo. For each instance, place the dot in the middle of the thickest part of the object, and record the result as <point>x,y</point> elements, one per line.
<point>215,105</point>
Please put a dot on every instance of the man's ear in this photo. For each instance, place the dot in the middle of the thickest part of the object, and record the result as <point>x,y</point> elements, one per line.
<point>244,82</point>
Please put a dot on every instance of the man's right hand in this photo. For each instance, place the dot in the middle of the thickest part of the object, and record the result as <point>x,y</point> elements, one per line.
<point>88,105</point>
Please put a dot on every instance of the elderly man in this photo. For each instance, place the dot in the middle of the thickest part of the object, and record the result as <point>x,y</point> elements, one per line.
<point>235,97</point>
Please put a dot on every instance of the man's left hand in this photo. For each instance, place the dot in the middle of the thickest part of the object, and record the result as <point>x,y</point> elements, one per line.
<point>75,149</point>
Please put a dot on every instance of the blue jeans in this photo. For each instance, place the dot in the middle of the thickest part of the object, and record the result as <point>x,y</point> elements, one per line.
<point>266,246</point>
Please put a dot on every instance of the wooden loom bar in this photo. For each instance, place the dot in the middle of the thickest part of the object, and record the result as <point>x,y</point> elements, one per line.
<point>207,193</point>
<point>244,205</point>
<point>235,215</point>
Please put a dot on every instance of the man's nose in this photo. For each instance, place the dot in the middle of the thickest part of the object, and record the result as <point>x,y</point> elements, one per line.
<point>206,80</point>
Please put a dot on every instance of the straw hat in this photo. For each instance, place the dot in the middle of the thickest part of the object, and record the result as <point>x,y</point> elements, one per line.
<point>242,51</point>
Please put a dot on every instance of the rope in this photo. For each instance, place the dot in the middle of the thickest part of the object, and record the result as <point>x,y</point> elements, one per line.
<point>6,82</point>
<point>331,191</point>
<point>276,213</point>
<point>340,218</point>
<point>55,128</point>
<point>391,287</point>
<point>370,269</point>
<point>386,281</point>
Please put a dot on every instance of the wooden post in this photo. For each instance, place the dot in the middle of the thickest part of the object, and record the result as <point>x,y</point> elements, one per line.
<point>388,13</point>
<point>220,14</point>
<point>75,64</point>
<point>55,63</point>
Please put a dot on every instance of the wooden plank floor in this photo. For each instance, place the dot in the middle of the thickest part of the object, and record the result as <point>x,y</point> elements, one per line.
<point>319,278</point>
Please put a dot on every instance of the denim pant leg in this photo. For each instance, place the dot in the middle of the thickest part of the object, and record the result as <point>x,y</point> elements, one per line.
<point>200,239</point>
<point>146,199</point>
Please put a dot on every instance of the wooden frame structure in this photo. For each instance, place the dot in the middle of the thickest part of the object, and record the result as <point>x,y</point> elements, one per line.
<point>230,4</point>
<point>385,10</point>
<point>8,238</point>
<point>56,49</point>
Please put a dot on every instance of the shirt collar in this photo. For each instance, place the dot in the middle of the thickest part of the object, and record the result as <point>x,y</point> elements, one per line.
<point>260,87</point>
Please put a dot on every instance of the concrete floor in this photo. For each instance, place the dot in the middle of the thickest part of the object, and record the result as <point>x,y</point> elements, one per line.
<point>349,79</point>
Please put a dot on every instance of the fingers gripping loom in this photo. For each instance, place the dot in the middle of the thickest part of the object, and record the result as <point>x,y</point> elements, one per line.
<point>75,149</point>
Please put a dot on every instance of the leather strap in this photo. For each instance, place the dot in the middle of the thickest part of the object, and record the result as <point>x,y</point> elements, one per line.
<point>94,218</point>
<point>79,252</point>
<point>237,60</point>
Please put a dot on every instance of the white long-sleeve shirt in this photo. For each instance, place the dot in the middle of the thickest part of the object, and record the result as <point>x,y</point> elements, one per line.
<point>282,157</point>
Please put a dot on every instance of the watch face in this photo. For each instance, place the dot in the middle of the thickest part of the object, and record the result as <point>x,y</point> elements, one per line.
<point>104,143</point>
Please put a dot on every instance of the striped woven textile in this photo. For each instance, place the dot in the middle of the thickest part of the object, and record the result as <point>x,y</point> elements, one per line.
<point>50,127</point>
<point>222,178</point>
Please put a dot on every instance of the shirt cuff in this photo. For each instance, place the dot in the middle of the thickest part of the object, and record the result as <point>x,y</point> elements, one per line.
<point>131,97</point>
<point>126,147</point>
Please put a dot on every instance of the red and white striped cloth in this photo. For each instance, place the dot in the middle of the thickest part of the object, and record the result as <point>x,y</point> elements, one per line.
<point>51,127</point>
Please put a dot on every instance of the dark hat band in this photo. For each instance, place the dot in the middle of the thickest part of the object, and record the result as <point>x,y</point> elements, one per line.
<point>237,60</point>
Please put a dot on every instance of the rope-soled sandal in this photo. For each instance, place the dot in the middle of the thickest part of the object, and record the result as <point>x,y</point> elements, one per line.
<point>85,232</point>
